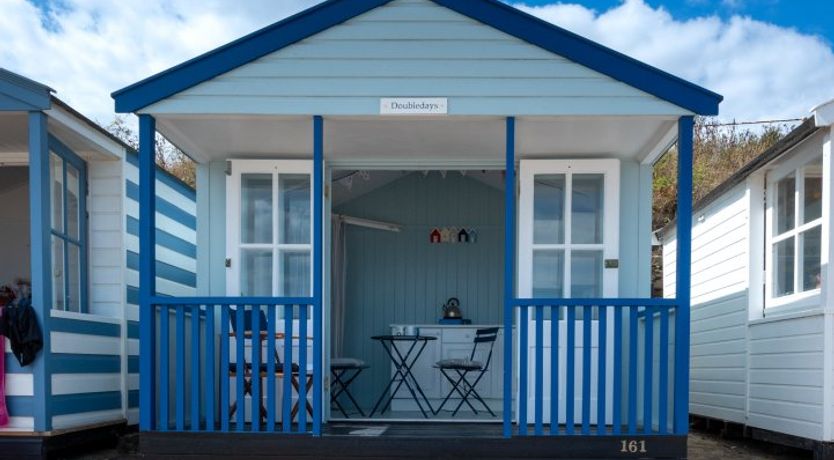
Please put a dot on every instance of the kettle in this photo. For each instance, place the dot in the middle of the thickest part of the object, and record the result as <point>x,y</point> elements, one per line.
<point>451,309</point>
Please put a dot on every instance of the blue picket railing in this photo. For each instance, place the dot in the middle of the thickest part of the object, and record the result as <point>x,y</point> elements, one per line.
<point>196,367</point>
<point>625,392</point>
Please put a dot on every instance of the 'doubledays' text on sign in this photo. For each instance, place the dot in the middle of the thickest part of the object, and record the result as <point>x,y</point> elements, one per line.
<point>414,106</point>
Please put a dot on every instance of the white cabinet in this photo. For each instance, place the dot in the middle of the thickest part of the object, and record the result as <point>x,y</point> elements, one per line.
<point>453,342</point>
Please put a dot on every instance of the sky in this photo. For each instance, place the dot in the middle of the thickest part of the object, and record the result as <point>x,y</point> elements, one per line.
<point>771,59</point>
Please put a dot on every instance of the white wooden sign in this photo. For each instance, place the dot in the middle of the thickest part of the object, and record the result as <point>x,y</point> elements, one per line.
<point>414,106</point>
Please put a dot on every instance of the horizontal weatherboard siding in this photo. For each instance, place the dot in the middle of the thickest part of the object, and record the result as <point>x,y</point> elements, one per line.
<point>84,327</point>
<point>414,48</point>
<point>20,406</point>
<point>164,207</point>
<point>165,271</point>
<point>86,402</point>
<point>64,363</point>
<point>165,178</point>
<point>165,239</point>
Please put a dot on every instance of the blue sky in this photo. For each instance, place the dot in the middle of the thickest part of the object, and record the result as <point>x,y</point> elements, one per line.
<point>808,16</point>
<point>769,58</point>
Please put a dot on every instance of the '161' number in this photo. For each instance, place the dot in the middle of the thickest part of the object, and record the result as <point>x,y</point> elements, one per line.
<point>633,447</point>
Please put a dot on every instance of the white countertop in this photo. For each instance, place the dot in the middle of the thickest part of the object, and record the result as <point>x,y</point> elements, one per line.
<point>444,326</point>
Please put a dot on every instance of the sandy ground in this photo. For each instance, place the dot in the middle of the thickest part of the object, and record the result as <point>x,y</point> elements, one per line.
<point>702,446</point>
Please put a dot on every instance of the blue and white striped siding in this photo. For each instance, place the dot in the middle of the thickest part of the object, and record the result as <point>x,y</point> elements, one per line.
<point>86,369</point>
<point>176,254</point>
<point>19,394</point>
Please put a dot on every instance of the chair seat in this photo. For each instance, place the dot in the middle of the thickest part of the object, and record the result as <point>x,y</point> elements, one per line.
<point>462,364</point>
<point>347,363</point>
<point>263,368</point>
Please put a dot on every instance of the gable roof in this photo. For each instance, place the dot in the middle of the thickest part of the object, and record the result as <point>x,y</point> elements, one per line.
<point>490,12</point>
<point>18,93</point>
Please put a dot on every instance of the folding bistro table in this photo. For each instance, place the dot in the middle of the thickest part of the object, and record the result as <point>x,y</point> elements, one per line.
<point>403,362</point>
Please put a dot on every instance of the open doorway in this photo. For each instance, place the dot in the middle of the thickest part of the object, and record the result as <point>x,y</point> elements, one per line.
<point>14,233</point>
<point>404,245</point>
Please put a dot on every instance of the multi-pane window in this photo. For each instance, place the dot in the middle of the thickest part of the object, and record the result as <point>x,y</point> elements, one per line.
<point>274,240</point>
<point>68,235</point>
<point>796,231</point>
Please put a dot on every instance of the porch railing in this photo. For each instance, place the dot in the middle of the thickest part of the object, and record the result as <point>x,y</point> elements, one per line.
<point>200,357</point>
<point>604,369</point>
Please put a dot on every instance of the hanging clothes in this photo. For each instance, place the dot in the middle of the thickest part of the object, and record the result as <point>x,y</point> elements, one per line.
<point>4,412</point>
<point>23,331</point>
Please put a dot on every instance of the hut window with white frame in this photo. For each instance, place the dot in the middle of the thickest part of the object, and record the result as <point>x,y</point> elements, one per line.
<point>796,231</point>
<point>67,178</point>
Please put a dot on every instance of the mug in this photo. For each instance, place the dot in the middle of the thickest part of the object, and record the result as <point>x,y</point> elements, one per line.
<point>411,330</point>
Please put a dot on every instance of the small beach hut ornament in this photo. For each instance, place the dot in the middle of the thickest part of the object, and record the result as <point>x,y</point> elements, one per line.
<point>453,235</point>
<point>473,236</point>
<point>463,236</point>
<point>444,235</point>
<point>435,236</point>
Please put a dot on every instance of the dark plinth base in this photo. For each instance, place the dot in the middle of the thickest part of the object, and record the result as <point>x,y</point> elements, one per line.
<point>412,441</point>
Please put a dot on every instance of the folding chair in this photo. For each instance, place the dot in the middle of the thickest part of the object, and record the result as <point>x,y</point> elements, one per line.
<point>457,370</point>
<point>248,373</point>
<point>345,371</point>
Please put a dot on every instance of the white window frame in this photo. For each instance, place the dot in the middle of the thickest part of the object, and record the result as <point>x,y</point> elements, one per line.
<point>610,169</point>
<point>234,246</point>
<point>799,299</point>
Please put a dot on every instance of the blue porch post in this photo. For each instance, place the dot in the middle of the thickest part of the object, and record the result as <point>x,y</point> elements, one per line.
<point>318,194</point>
<point>509,274</point>
<point>147,271</point>
<point>40,237</point>
<point>682,282</point>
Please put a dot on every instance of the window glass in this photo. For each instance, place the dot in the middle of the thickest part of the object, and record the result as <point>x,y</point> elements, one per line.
<point>295,269</point>
<point>785,204</point>
<point>549,209</point>
<point>72,205</point>
<point>783,268</point>
<point>548,273</point>
<point>58,298</point>
<point>256,273</point>
<point>587,208</point>
<point>56,173</point>
<point>811,251</point>
<point>74,277</point>
<point>812,199</point>
<point>586,274</point>
<point>256,209</point>
<point>294,199</point>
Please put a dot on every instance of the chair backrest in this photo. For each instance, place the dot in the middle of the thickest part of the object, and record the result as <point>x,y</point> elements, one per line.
<point>484,338</point>
<point>247,327</point>
<point>247,320</point>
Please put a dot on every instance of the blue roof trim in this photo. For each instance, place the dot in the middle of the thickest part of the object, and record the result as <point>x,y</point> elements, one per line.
<point>490,12</point>
<point>18,93</point>
<point>239,52</point>
<point>589,54</point>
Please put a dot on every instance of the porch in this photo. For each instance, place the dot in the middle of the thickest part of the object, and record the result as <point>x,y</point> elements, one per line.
<point>618,373</point>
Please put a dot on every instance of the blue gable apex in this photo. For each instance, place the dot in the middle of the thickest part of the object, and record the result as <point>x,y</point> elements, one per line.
<point>18,93</point>
<point>489,12</point>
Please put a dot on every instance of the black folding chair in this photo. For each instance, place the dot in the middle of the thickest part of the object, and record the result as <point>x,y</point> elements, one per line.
<point>457,370</point>
<point>345,371</point>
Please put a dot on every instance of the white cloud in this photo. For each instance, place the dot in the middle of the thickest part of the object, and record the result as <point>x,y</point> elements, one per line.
<point>763,71</point>
<point>93,47</point>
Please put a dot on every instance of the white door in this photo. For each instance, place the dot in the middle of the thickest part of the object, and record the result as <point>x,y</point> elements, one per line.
<point>269,233</point>
<point>568,235</point>
<point>269,236</point>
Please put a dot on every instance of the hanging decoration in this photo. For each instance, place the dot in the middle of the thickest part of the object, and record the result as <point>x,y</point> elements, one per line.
<point>453,235</point>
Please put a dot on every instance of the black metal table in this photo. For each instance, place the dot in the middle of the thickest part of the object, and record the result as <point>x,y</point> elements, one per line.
<point>402,374</point>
